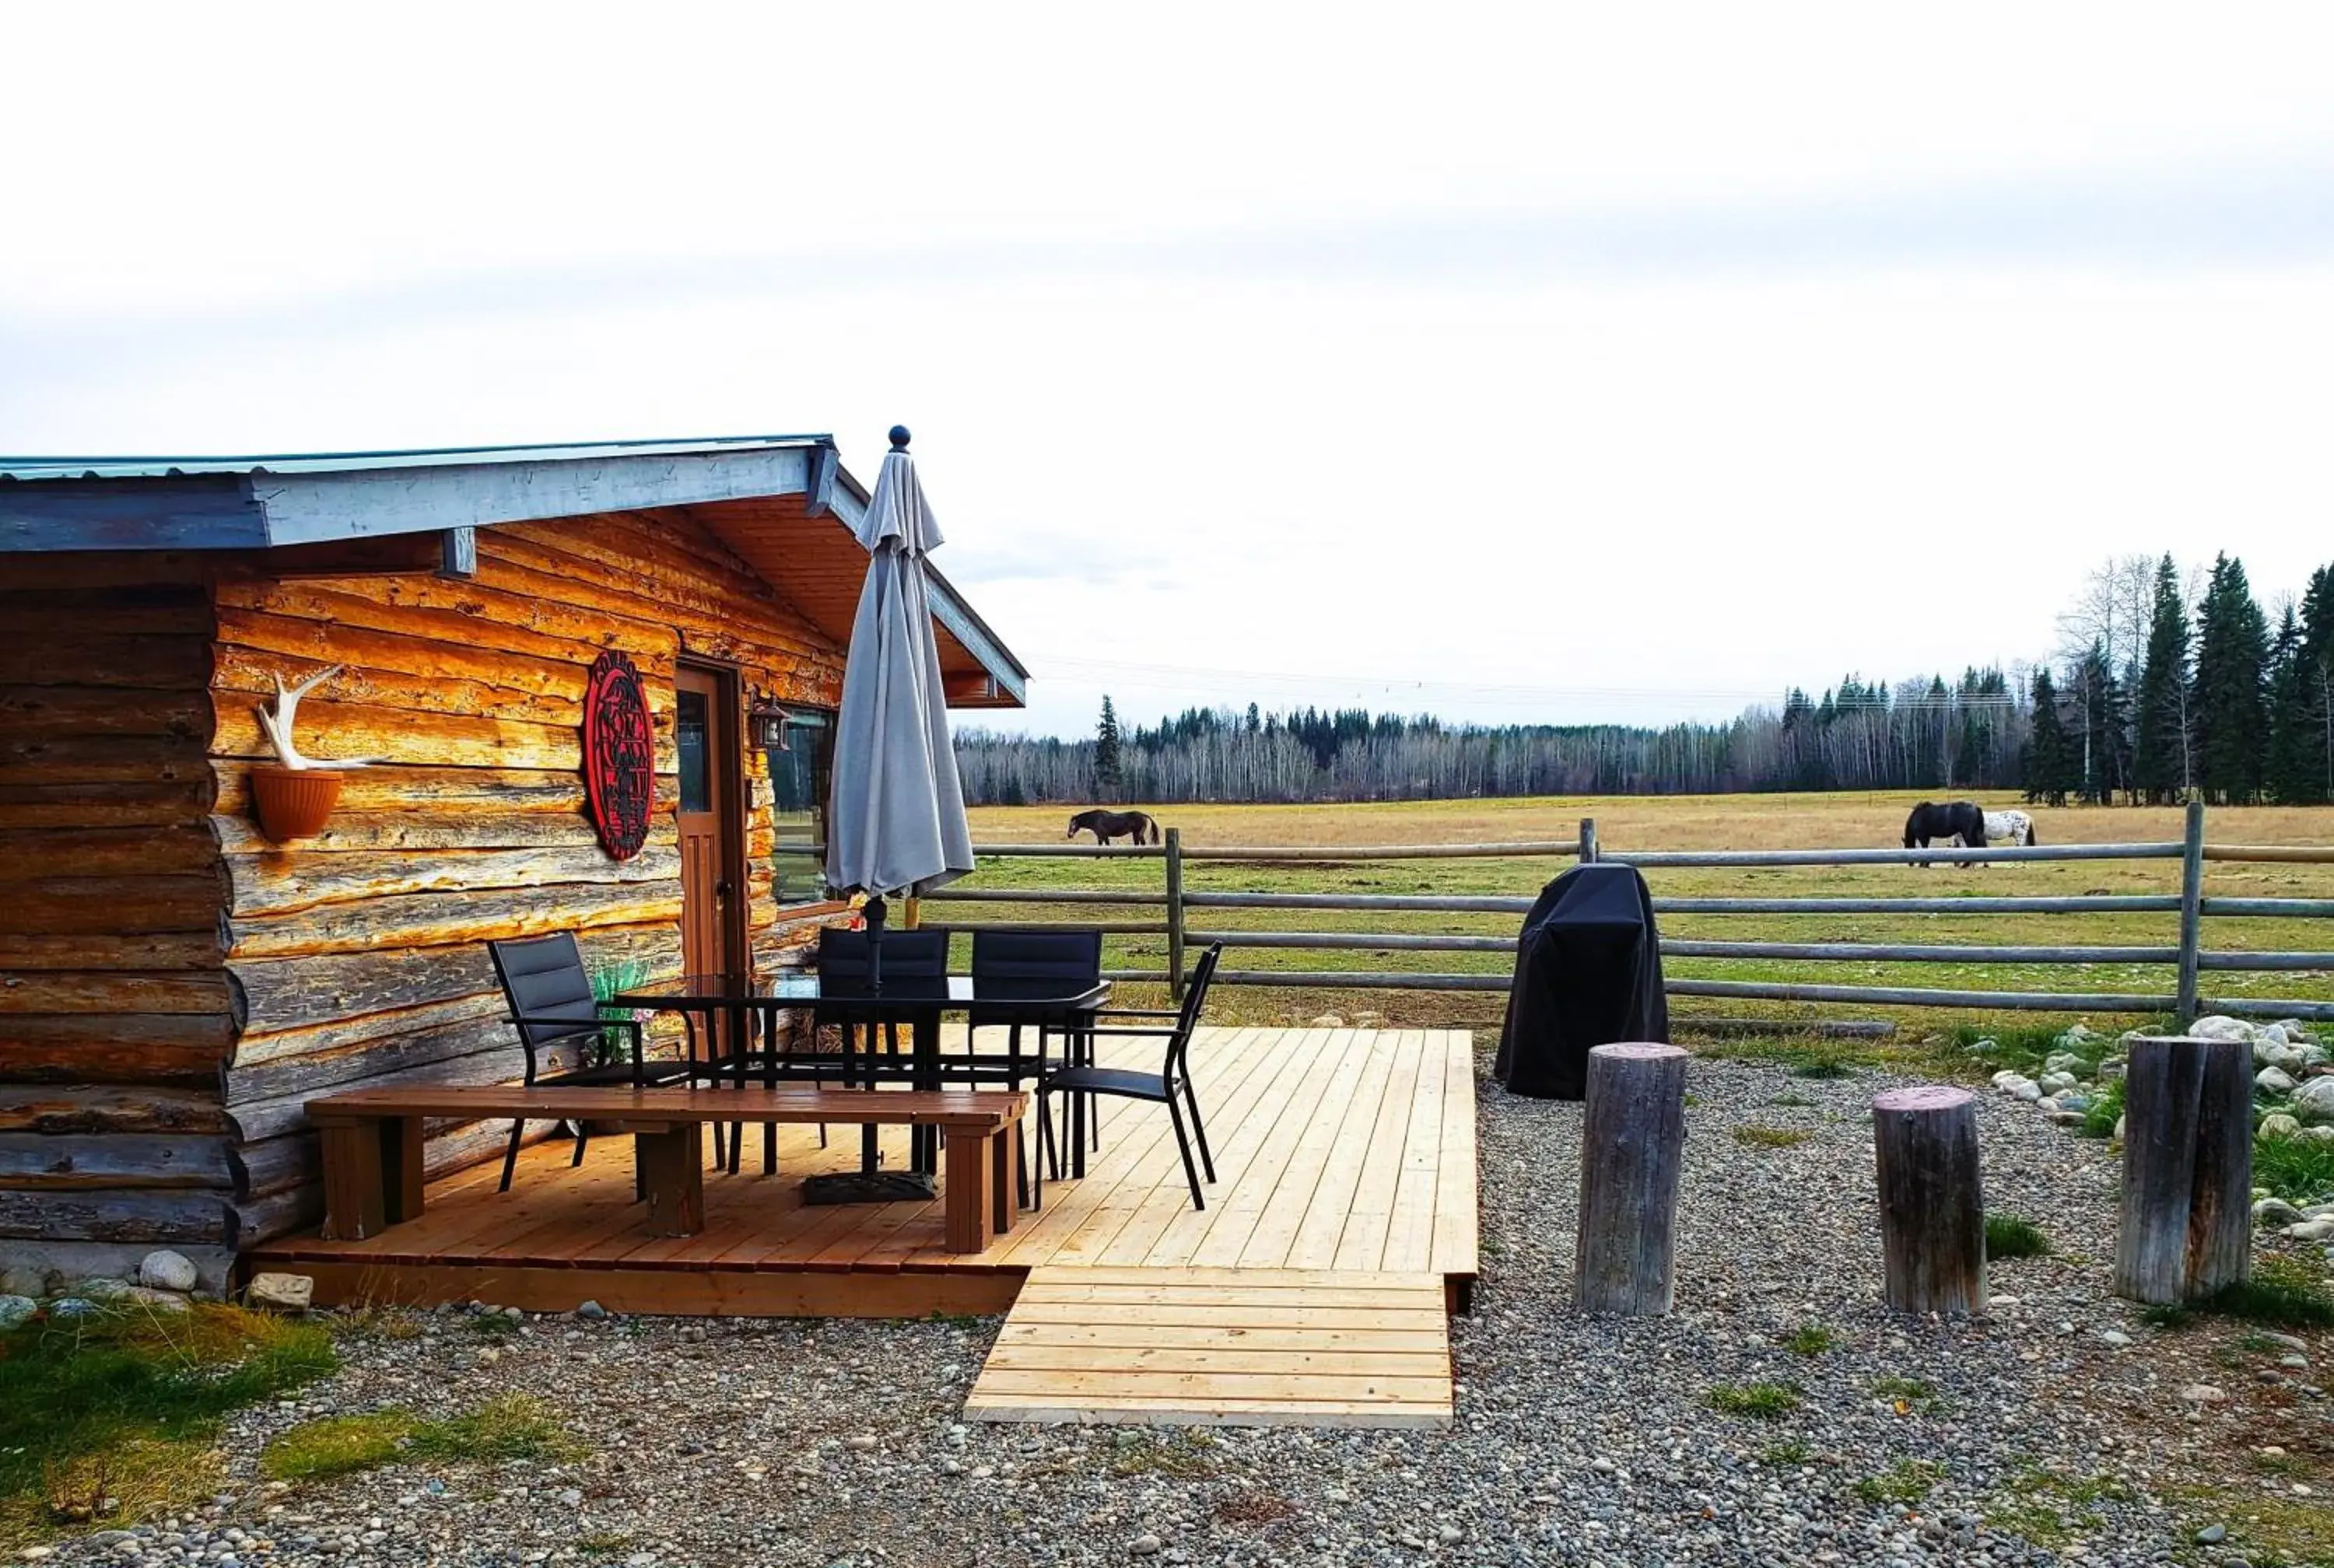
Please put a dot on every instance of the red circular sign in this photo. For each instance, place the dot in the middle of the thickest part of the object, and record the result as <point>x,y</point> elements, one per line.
<point>619,755</point>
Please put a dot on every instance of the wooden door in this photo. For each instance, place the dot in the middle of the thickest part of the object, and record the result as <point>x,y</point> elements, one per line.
<point>711,824</point>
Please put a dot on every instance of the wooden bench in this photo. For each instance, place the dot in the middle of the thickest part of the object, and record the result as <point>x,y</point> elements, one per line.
<point>373,1143</point>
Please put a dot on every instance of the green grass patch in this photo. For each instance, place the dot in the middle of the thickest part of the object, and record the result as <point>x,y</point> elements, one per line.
<point>2168,1315</point>
<point>1810,1339</point>
<point>1770,1137</point>
<point>122,1402</point>
<point>2298,1169</point>
<point>2283,1293</point>
<point>2009,1236</point>
<point>2104,1110</point>
<point>1817,1064</point>
<point>1906,1481</point>
<point>512,1427</point>
<point>1785,1454</point>
<point>1792,1102</point>
<point>1760,1401</point>
<point>493,1325</point>
<point>604,1544</point>
<point>2050,1510</point>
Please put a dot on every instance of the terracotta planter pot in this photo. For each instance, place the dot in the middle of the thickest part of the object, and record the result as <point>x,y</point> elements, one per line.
<point>293,802</point>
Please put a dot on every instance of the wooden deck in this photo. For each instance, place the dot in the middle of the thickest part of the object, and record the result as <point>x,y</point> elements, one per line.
<point>1335,1149</point>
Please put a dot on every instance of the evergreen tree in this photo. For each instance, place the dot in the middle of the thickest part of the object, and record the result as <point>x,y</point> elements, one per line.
<point>2162,768</point>
<point>1108,764</point>
<point>2231,717</point>
<point>2050,758</point>
<point>2291,773</point>
<point>2315,659</point>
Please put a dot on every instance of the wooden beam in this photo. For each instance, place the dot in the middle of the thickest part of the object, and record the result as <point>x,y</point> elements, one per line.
<point>460,553</point>
<point>204,512</point>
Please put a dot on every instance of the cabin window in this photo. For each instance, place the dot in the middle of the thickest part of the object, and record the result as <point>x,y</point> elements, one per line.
<point>798,743</point>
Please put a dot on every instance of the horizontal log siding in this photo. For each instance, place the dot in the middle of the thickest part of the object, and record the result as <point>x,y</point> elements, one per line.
<point>116,1009</point>
<point>359,954</point>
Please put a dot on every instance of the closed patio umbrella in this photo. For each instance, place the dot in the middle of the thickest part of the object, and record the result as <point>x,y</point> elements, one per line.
<point>896,823</point>
<point>895,820</point>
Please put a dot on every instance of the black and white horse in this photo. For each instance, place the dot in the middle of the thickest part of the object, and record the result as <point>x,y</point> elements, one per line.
<point>1964,819</point>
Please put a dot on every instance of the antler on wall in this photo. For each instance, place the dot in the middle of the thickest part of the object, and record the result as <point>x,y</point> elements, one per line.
<point>278,723</point>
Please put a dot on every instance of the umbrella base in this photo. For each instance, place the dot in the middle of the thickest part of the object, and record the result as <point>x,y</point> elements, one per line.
<point>870,1186</point>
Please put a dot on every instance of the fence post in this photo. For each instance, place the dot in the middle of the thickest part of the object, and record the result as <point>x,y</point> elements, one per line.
<point>1175,914</point>
<point>1587,841</point>
<point>2191,912</point>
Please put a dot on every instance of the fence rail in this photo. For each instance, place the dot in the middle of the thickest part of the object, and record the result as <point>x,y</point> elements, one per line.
<point>2188,959</point>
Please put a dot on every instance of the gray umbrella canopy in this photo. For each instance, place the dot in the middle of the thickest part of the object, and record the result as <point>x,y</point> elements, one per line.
<point>896,823</point>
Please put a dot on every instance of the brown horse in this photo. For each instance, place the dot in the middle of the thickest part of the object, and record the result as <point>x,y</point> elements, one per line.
<point>1133,826</point>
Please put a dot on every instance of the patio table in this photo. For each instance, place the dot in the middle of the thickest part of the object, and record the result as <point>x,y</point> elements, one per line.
<point>916,1002</point>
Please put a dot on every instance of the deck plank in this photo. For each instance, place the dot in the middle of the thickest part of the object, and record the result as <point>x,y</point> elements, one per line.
<point>1258,1347</point>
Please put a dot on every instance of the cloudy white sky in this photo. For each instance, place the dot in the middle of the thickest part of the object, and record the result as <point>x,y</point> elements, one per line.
<point>1544,363</point>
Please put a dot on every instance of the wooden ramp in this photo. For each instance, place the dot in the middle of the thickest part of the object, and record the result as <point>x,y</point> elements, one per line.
<point>1221,1347</point>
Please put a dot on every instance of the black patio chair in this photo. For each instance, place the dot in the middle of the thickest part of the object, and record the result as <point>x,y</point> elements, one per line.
<point>1173,1080</point>
<point>552,1007</point>
<point>1039,963</point>
<point>912,960</point>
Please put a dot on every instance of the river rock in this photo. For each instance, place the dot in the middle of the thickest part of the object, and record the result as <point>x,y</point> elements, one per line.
<point>15,1309</point>
<point>2112,1069</point>
<point>2016,1085</point>
<point>2314,1101</point>
<point>2065,1062</point>
<point>2276,1211</point>
<point>29,1279</point>
<point>2059,1082</point>
<point>2273,1080</point>
<point>2278,1124</point>
<point>164,1269</point>
<point>289,1292</point>
<point>2218,1026</point>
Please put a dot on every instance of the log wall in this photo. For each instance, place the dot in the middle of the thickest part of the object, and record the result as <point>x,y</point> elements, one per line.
<point>358,954</point>
<point>116,1008</point>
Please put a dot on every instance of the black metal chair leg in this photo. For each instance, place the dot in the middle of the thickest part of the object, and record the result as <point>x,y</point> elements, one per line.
<point>1183,1146</point>
<point>510,1155</point>
<point>1045,1151</point>
<point>582,1139</point>
<point>1021,1164</point>
<point>1199,1131</point>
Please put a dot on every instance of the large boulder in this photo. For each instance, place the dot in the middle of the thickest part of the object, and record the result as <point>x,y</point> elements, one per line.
<point>2314,1101</point>
<point>2278,1124</point>
<point>2215,1026</point>
<point>2016,1085</point>
<point>2273,1080</point>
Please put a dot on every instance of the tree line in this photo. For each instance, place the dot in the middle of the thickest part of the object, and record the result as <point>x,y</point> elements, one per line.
<point>2142,704</point>
<point>2153,705</point>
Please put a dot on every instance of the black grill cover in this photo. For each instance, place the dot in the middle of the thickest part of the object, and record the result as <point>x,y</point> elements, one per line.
<point>1589,972</point>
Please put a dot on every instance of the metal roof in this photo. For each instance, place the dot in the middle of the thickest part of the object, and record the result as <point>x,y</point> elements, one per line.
<point>137,467</point>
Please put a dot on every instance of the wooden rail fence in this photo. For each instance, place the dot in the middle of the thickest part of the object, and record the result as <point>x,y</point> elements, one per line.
<point>2188,957</point>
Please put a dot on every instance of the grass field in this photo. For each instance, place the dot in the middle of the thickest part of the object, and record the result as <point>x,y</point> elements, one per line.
<point>1841,821</point>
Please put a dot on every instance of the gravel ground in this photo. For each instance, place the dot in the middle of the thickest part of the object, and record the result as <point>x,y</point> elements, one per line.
<point>2053,1430</point>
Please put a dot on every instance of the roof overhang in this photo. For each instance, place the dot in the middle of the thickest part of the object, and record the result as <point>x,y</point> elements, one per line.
<point>299,503</point>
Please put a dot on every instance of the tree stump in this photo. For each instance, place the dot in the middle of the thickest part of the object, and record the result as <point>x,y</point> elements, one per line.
<point>2186,1229</point>
<point>1932,1205</point>
<point>1631,1139</point>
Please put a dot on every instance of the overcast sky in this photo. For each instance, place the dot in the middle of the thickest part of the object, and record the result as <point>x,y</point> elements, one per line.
<point>1532,364</point>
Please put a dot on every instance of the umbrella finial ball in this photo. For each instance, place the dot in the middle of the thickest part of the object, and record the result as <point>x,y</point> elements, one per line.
<point>898,437</point>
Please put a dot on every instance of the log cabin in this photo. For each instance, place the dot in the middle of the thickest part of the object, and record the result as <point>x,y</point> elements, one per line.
<point>173,983</point>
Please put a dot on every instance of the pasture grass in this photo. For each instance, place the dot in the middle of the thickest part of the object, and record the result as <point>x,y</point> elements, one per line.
<point>121,1404</point>
<point>2009,1236</point>
<point>1845,820</point>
